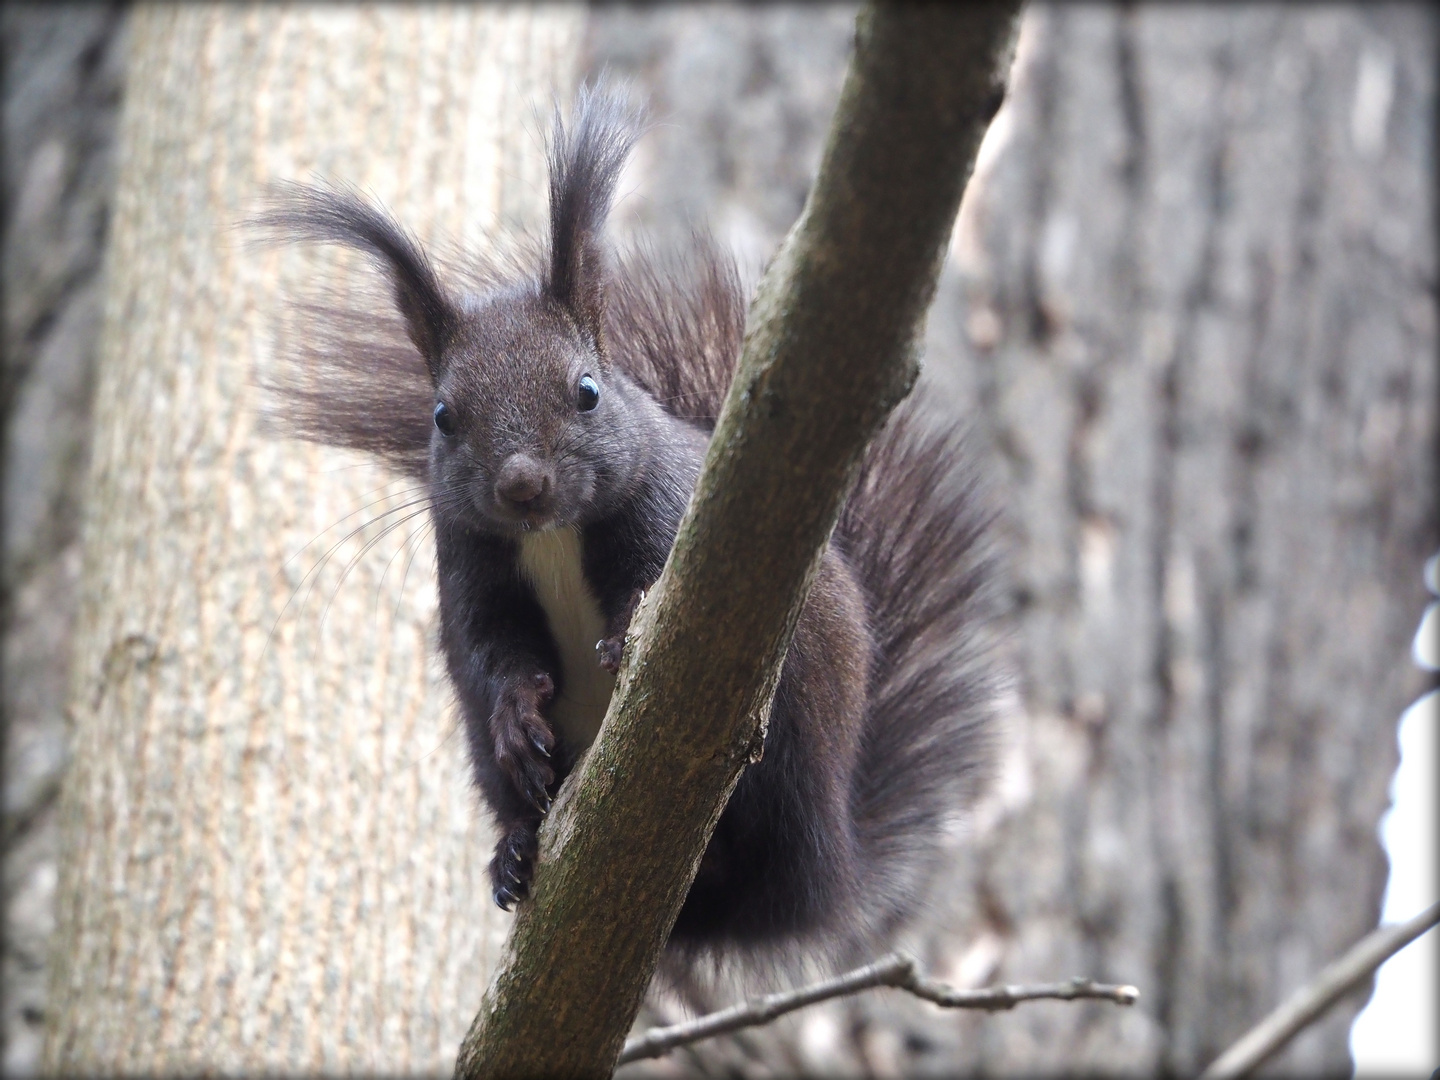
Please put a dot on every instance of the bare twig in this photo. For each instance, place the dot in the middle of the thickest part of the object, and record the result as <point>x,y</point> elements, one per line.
<point>1311,1001</point>
<point>895,970</point>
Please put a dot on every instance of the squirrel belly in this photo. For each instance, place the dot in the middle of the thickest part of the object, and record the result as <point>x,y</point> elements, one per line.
<point>551,561</point>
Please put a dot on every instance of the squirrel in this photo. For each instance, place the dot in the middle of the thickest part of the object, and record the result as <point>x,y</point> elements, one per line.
<point>558,416</point>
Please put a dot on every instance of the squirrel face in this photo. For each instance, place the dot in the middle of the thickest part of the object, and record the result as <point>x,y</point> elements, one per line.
<point>529,420</point>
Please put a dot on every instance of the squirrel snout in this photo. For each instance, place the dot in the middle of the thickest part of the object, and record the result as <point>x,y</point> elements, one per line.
<point>523,482</point>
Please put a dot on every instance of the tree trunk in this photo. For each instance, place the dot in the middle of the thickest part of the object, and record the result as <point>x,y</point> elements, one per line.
<point>62,70</point>
<point>1191,316</point>
<point>1210,250</point>
<point>273,857</point>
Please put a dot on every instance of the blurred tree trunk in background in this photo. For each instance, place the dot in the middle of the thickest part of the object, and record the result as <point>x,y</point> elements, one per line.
<point>1191,315</point>
<point>62,69</point>
<point>1210,253</point>
<point>273,859</point>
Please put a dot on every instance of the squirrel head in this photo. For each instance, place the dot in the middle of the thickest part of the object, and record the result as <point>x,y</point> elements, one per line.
<point>533,426</point>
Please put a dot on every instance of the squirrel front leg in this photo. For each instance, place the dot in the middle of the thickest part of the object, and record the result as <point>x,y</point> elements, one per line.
<point>523,739</point>
<point>610,649</point>
<point>523,747</point>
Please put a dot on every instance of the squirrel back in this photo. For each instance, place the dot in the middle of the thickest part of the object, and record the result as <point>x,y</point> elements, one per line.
<point>887,710</point>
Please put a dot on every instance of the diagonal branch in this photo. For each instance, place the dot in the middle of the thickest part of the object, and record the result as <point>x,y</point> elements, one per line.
<point>831,346</point>
<point>896,970</point>
<point>1313,999</point>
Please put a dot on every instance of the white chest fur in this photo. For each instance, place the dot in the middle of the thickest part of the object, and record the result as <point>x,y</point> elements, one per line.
<point>550,561</point>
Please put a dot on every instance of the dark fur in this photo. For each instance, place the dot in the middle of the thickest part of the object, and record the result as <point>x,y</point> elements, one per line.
<point>879,728</point>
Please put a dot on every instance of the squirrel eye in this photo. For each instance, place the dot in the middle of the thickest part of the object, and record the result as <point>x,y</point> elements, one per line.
<point>444,419</point>
<point>589,393</point>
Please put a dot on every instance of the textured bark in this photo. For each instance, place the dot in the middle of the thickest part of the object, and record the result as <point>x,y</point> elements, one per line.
<point>62,67</point>
<point>273,859</point>
<point>831,346</point>
<point>1212,257</point>
<point>1191,309</point>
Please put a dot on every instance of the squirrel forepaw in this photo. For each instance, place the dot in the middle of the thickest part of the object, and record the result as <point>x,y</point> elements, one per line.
<point>513,866</point>
<point>523,740</point>
<point>610,651</point>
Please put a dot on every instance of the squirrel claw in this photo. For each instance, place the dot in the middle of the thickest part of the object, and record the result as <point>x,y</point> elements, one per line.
<point>523,741</point>
<point>610,651</point>
<point>513,866</point>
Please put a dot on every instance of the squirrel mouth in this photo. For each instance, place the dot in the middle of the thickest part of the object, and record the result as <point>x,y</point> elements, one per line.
<point>527,515</point>
<point>532,520</point>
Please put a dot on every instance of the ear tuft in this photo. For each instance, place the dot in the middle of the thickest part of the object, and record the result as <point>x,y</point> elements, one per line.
<point>586,158</point>
<point>339,215</point>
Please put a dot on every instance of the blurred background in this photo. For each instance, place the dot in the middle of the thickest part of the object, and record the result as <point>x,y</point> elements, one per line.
<point>1188,316</point>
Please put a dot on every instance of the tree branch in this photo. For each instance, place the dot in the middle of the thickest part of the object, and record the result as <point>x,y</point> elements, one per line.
<point>1313,999</point>
<point>895,970</point>
<point>830,348</point>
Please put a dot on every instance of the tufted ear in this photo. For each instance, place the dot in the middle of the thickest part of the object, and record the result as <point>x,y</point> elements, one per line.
<point>339,215</point>
<point>585,162</point>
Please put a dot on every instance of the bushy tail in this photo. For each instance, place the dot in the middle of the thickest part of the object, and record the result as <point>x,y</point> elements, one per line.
<point>675,323</point>
<point>914,528</point>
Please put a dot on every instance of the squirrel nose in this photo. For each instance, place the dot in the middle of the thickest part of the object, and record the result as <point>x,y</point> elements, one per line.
<point>522,480</point>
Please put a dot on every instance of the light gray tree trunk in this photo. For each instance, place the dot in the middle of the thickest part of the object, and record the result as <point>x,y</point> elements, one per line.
<point>1190,315</point>
<point>273,858</point>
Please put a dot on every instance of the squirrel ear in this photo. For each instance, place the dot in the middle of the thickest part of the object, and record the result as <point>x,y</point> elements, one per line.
<point>298,211</point>
<point>585,163</point>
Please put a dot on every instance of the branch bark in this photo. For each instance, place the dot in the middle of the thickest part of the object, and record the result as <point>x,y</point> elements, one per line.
<point>1311,1001</point>
<point>896,970</point>
<point>831,347</point>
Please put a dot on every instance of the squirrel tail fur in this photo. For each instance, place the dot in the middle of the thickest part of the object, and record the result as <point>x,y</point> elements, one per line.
<point>916,529</point>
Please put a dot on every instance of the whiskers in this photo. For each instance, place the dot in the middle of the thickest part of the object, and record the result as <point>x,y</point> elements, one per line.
<point>391,521</point>
<point>416,504</point>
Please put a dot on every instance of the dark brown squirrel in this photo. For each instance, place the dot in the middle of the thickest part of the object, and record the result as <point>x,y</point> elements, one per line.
<point>558,418</point>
